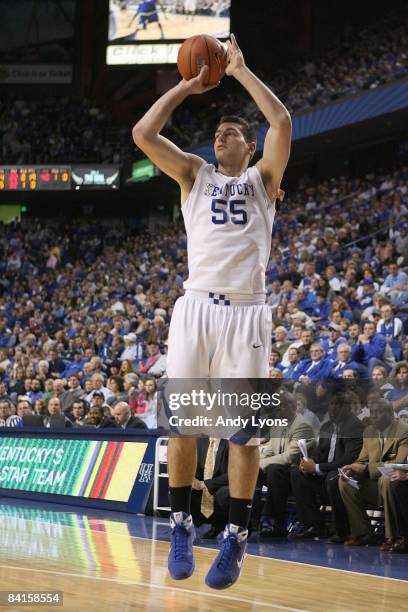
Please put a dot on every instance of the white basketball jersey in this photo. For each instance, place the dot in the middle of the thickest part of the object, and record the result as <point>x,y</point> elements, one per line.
<point>228,222</point>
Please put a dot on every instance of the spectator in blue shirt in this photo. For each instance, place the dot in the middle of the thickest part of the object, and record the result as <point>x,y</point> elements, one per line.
<point>330,344</point>
<point>294,360</point>
<point>370,349</point>
<point>396,279</point>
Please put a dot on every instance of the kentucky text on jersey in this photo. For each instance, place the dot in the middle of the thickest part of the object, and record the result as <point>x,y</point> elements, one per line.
<point>229,189</point>
<point>228,223</point>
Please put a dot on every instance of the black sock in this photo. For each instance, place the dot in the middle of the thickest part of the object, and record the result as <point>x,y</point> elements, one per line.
<point>180,499</point>
<point>240,511</point>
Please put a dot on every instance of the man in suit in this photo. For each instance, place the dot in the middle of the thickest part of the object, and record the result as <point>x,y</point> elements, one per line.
<point>340,441</point>
<point>278,455</point>
<point>342,362</point>
<point>210,493</point>
<point>313,369</point>
<point>399,496</point>
<point>123,417</point>
<point>385,441</point>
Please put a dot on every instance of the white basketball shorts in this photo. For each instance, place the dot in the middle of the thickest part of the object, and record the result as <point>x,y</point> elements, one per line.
<point>219,336</point>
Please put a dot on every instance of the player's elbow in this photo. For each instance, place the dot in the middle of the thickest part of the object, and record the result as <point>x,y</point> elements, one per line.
<point>285,120</point>
<point>140,134</point>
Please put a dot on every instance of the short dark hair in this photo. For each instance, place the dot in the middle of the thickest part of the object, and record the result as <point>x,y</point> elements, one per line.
<point>247,130</point>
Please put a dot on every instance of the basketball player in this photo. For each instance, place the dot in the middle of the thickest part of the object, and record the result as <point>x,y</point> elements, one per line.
<point>146,13</point>
<point>190,7</point>
<point>221,327</point>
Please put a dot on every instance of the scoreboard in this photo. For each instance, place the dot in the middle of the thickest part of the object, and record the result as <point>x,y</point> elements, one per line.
<point>59,178</point>
<point>35,178</point>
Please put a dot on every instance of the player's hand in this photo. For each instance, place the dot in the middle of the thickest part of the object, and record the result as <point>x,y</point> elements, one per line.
<point>196,85</point>
<point>234,57</point>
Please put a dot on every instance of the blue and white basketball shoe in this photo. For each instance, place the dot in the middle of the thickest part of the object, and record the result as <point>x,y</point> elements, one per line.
<point>227,566</point>
<point>181,560</point>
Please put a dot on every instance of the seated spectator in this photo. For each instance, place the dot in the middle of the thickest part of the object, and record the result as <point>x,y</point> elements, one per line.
<point>96,418</point>
<point>149,415</point>
<point>369,350</point>
<point>274,360</point>
<point>55,364</point>
<point>98,399</point>
<point>153,356</point>
<point>35,391</point>
<point>308,416</point>
<point>123,417</point>
<point>399,498</point>
<point>210,493</point>
<point>321,310</point>
<point>130,351</point>
<point>126,367</point>
<point>288,372</point>
<point>7,418</point>
<point>137,398</point>
<point>54,409</point>
<point>277,456</point>
<point>48,389</point>
<point>116,386</point>
<point>97,381</point>
<point>159,368</point>
<point>396,282</point>
<point>389,326</point>
<point>340,439</point>
<point>75,365</point>
<point>342,362</point>
<point>307,340</point>
<point>4,391</point>
<point>280,342</point>
<point>40,407</point>
<point>365,300</point>
<point>73,392</point>
<point>331,344</point>
<point>79,411</point>
<point>379,381</point>
<point>398,396</point>
<point>313,369</point>
<point>385,441</point>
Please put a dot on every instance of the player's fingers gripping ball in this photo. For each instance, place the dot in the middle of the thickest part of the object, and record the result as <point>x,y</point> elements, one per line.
<point>202,50</point>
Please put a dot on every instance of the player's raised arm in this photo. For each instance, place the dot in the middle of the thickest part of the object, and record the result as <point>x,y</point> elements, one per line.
<point>174,162</point>
<point>277,141</point>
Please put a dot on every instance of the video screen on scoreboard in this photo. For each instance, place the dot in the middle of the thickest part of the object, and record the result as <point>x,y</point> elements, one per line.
<point>154,27</point>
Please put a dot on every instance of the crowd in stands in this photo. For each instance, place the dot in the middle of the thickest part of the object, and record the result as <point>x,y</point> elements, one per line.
<point>65,130</point>
<point>85,310</point>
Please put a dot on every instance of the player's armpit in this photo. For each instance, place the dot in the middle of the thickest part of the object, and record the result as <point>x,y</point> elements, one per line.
<point>180,166</point>
<point>275,157</point>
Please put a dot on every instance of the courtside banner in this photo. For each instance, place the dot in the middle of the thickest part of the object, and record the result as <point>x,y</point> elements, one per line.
<point>97,469</point>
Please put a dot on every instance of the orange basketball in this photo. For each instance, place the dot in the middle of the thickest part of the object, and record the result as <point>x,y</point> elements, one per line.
<point>201,50</point>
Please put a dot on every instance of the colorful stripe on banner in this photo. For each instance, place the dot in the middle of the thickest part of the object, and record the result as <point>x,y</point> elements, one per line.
<point>127,466</point>
<point>95,468</point>
<point>106,470</point>
<point>88,467</point>
<point>115,460</point>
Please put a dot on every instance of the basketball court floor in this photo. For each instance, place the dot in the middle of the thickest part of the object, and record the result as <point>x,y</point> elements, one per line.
<point>111,561</point>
